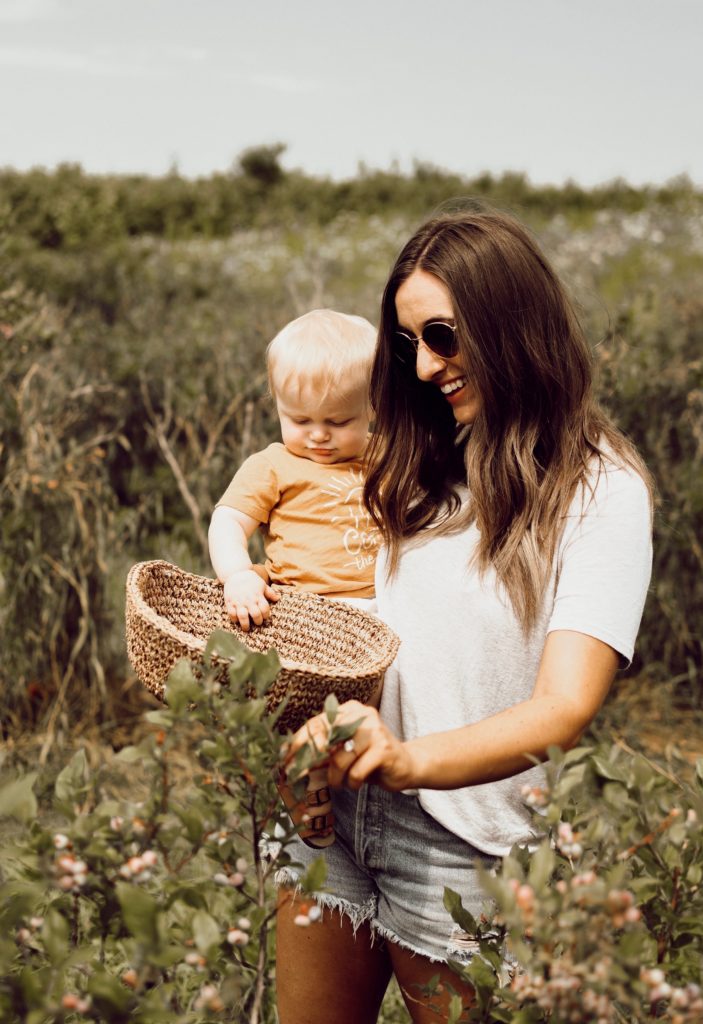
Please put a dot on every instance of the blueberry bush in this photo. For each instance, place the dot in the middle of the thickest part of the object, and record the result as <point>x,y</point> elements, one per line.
<point>603,921</point>
<point>134,315</point>
<point>142,890</point>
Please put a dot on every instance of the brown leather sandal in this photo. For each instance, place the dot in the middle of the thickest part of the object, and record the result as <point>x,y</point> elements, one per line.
<point>314,819</point>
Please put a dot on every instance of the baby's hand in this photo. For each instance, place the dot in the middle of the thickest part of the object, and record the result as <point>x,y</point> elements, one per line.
<point>247,598</point>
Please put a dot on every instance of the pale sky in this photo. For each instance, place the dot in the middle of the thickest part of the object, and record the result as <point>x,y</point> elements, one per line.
<point>582,89</point>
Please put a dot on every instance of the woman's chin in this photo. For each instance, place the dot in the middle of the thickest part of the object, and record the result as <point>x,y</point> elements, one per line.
<point>466,412</point>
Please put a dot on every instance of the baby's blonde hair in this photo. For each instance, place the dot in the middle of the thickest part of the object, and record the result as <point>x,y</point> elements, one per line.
<point>322,352</point>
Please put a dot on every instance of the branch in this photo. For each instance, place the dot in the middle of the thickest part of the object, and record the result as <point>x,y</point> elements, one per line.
<point>168,454</point>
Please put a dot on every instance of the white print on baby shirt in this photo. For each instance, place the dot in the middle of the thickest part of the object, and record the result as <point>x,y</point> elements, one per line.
<point>361,538</point>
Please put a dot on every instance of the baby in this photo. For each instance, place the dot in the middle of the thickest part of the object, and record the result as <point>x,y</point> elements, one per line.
<point>305,494</point>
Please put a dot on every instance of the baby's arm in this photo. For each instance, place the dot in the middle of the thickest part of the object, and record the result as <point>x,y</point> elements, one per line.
<point>247,594</point>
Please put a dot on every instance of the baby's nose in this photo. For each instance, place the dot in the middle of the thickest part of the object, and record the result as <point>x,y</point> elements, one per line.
<point>319,433</point>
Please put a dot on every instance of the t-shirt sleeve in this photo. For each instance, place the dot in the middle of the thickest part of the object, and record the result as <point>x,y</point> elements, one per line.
<point>605,562</point>
<point>254,489</point>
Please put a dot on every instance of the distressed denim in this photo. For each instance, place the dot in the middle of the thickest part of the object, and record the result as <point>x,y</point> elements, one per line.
<point>389,866</point>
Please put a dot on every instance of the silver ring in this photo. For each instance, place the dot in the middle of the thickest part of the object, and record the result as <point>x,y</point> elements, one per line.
<point>349,747</point>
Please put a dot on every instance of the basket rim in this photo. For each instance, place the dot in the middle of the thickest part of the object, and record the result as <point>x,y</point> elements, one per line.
<point>196,645</point>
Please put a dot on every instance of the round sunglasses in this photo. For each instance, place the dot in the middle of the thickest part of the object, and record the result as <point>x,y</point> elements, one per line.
<point>438,336</point>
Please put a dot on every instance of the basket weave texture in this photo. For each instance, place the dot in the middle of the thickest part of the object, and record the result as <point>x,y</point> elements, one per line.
<point>325,646</point>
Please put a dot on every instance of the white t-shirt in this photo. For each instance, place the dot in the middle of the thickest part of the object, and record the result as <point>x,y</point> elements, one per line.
<point>463,655</point>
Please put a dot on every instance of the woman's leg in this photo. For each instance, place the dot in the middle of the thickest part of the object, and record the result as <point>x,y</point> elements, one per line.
<point>412,971</point>
<point>325,972</point>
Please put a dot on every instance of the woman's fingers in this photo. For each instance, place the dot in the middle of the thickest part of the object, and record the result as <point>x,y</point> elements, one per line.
<point>343,758</point>
<point>317,730</point>
<point>372,753</point>
<point>375,755</point>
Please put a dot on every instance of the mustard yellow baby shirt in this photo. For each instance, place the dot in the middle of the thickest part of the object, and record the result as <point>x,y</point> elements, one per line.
<point>317,534</point>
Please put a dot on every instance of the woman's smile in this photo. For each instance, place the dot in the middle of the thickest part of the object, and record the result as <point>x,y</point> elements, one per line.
<point>452,386</point>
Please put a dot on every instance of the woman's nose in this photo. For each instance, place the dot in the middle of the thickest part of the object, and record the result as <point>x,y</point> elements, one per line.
<point>428,363</point>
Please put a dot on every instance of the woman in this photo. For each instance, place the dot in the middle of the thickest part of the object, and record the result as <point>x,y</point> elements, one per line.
<point>517,527</point>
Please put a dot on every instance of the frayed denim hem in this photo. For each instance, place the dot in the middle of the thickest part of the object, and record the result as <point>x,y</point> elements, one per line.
<point>461,949</point>
<point>356,913</point>
<point>388,935</point>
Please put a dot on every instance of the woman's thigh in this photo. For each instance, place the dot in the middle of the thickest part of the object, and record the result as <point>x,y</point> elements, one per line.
<point>327,971</point>
<point>413,972</point>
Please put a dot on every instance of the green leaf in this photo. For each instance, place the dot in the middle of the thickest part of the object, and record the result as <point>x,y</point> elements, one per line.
<point>452,902</point>
<point>72,781</point>
<point>340,733</point>
<point>315,876</point>
<point>182,672</point>
<point>569,781</point>
<point>694,874</point>
<point>167,957</point>
<point>205,932</point>
<point>331,708</point>
<point>265,668</point>
<point>110,997</point>
<point>223,644</point>
<point>36,1017</point>
<point>187,894</point>
<point>575,755</point>
<point>193,821</point>
<point>30,983</point>
<point>482,976</point>
<point>502,1015</point>
<point>541,866</point>
<point>182,688</point>
<point>140,912</point>
<point>130,755</point>
<point>607,769</point>
<point>17,799</point>
<point>456,1008</point>
<point>639,946</point>
<point>55,935</point>
<point>491,954</point>
<point>162,718</point>
<point>18,900</point>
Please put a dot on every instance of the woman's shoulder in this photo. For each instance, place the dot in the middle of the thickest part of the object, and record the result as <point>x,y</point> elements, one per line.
<point>612,483</point>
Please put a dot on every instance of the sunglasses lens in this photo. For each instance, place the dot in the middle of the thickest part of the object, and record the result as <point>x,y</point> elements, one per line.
<point>404,348</point>
<point>441,338</point>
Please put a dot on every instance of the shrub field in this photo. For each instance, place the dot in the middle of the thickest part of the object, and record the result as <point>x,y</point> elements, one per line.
<point>134,314</point>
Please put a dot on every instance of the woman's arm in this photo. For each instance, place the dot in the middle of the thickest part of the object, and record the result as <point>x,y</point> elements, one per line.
<point>574,677</point>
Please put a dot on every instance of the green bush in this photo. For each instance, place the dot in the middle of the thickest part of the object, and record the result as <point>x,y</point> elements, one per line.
<point>132,385</point>
<point>143,892</point>
<point>139,887</point>
<point>603,921</point>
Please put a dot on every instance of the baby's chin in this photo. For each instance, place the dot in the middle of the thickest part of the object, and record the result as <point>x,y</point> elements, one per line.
<point>326,458</point>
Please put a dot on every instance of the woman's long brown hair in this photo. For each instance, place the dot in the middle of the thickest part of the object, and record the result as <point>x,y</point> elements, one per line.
<point>539,427</point>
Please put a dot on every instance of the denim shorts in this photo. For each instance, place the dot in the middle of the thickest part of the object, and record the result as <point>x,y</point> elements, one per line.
<point>389,866</point>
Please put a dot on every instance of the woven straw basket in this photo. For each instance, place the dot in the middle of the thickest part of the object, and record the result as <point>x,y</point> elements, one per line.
<point>325,646</point>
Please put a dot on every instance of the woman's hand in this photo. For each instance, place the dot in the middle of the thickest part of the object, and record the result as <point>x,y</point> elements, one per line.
<point>373,754</point>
